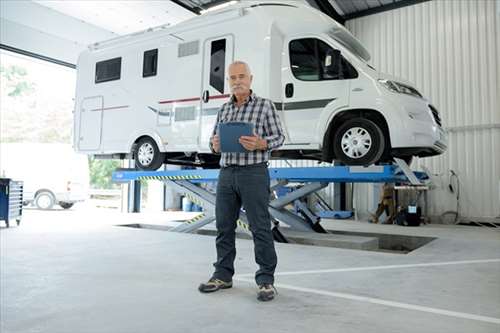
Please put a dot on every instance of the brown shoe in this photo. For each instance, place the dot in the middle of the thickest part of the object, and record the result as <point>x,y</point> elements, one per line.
<point>266,292</point>
<point>214,285</point>
<point>374,218</point>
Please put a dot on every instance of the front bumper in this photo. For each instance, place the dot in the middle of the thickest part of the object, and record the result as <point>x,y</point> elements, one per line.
<point>423,135</point>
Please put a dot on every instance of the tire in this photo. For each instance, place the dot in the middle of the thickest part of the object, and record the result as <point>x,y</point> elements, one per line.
<point>66,205</point>
<point>44,200</point>
<point>358,141</point>
<point>147,156</point>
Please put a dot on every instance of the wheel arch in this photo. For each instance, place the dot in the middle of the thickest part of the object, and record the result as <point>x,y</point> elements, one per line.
<point>340,118</point>
<point>150,134</point>
<point>44,190</point>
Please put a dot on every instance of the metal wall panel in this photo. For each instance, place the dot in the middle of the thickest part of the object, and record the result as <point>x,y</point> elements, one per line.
<point>450,50</point>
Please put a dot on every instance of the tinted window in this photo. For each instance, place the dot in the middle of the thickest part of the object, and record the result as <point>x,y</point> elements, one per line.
<point>218,64</point>
<point>314,60</point>
<point>150,63</point>
<point>108,70</point>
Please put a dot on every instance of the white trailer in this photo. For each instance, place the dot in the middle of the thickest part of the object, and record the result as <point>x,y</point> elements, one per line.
<point>154,95</point>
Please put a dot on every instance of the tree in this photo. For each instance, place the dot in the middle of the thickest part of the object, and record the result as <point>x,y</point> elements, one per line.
<point>16,81</point>
<point>100,173</point>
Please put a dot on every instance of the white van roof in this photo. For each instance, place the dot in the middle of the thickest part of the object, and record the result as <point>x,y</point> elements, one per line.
<point>307,19</point>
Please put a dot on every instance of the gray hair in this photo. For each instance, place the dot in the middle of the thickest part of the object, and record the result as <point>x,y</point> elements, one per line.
<point>239,62</point>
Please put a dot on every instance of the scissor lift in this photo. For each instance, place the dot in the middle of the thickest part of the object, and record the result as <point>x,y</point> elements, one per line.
<point>189,183</point>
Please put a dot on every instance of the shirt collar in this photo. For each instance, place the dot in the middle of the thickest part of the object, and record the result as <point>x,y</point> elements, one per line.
<point>250,98</point>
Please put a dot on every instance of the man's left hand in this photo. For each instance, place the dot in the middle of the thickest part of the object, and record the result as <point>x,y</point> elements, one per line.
<point>253,143</point>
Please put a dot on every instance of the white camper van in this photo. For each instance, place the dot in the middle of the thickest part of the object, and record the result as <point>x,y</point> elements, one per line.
<point>154,95</point>
<point>53,174</point>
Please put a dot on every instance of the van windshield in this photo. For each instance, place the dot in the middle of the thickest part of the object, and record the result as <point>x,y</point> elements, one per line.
<point>344,37</point>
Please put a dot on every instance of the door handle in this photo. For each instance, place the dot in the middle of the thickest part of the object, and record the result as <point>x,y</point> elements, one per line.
<point>205,97</point>
<point>289,90</point>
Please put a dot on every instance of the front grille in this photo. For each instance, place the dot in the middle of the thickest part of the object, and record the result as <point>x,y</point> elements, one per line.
<point>435,114</point>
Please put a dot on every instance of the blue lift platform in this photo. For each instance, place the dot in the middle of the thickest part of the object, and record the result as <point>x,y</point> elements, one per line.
<point>312,179</point>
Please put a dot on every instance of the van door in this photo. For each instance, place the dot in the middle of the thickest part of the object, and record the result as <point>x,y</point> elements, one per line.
<point>90,127</point>
<point>218,53</point>
<point>309,84</point>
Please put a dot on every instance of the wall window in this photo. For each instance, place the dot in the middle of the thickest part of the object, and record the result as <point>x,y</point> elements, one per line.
<point>150,63</point>
<point>108,70</point>
<point>314,60</point>
<point>218,64</point>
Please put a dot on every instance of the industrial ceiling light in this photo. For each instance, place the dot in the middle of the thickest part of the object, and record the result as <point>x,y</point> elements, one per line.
<point>217,7</point>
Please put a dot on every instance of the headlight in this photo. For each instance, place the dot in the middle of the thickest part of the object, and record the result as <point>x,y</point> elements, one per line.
<point>399,87</point>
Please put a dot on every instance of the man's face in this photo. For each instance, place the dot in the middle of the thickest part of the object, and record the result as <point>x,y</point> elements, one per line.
<point>239,79</point>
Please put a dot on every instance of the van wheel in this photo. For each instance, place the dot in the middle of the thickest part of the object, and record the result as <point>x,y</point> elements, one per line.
<point>66,205</point>
<point>147,156</point>
<point>358,141</point>
<point>45,200</point>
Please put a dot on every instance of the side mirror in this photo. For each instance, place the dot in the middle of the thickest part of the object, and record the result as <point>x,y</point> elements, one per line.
<point>333,64</point>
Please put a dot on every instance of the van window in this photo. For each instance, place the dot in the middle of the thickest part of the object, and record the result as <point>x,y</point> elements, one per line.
<point>150,63</point>
<point>218,64</point>
<point>108,70</point>
<point>314,60</point>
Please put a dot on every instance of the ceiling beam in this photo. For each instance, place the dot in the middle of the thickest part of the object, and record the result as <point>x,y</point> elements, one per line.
<point>384,8</point>
<point>36,55</point>
<point>185,6</point>
<point>326,7</point>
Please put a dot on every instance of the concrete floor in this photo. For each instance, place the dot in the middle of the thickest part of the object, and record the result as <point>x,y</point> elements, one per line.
<point>75,271</point>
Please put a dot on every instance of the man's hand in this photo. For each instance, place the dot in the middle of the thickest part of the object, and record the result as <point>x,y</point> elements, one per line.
<point>253,143</point>
<point>216,143</point>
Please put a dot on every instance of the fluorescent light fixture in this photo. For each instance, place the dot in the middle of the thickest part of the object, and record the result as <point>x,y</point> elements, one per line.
<point>222,5</point>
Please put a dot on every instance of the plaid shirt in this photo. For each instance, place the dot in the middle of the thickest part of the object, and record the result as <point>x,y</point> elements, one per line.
<point>260,112</point>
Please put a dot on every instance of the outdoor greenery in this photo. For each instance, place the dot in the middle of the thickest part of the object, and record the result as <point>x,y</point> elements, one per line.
<point>32,109</point>
<point>100,173</point>
<point>17,84</point>
<point>36,109</point>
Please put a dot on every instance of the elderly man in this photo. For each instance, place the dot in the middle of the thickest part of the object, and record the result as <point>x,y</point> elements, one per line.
<point>244,180</point>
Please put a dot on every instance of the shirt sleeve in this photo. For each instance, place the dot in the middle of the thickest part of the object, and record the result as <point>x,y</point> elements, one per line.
<point>272,127</point>
<point>214,131</point>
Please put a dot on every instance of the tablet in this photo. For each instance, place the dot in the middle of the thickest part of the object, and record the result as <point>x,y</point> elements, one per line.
<point>229,135</point>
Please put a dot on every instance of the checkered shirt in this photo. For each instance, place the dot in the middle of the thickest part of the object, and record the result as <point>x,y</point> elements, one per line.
<point>262,114</point>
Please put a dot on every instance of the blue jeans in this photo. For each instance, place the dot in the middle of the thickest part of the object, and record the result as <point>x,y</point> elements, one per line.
<point>247,186</point>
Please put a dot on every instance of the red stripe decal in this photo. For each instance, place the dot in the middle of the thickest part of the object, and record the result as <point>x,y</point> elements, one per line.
<point>194,99</point>
<point>180,100</point>
<point>219,96</point>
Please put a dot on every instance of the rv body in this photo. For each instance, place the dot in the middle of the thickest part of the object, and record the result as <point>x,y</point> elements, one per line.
<point>154,95</point>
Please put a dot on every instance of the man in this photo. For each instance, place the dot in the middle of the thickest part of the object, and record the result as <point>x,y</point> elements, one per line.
<point>386,203</point>
<point>244,180</point>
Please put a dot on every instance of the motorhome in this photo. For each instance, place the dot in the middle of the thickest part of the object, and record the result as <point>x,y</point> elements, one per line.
<point>154,95</point>
<point>52,174</point>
